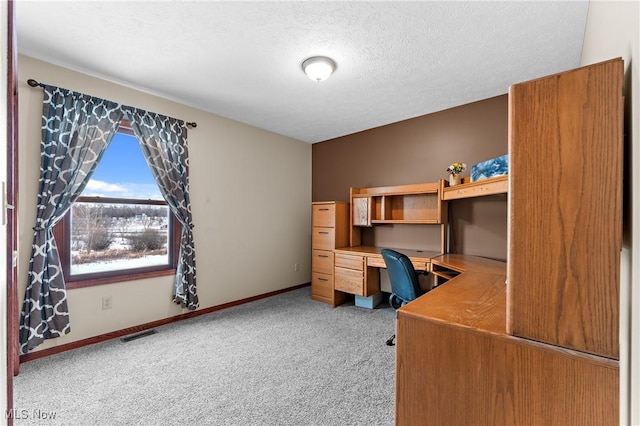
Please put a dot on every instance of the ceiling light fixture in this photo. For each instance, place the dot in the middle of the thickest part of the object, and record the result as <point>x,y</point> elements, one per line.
<point>318,68</point>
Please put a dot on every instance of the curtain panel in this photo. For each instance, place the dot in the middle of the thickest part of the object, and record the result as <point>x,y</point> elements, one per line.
<point>76,130</point>
<point>163,141</point>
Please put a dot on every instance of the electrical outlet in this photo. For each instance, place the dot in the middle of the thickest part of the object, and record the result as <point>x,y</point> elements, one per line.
<point>296,267</point>
<point>107,303</point>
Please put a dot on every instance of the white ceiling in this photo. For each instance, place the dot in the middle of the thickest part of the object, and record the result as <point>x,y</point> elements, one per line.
<point>241,60</point>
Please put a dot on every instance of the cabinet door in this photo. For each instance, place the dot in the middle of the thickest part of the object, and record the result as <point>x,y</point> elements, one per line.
<point>361,211</point>
<point>565,203</point>
<point>497,380</point>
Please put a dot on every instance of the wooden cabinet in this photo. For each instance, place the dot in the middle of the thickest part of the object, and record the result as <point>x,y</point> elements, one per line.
<point>354,276</point>
<point>330,230</point>
<point>416,203</point>
<point>457,366</point>
<point>565,153</point>
<point>419,203</point>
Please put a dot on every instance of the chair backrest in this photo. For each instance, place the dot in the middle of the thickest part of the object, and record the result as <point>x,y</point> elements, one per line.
<point>402,274</point>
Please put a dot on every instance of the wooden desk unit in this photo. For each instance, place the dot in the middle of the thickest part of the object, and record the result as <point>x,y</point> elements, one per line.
<point>356,268</point>
<point>543,348</point>
<point>456,364</point>
<point>421,259</point>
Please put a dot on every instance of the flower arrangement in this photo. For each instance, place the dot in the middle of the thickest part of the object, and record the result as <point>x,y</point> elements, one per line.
<point>457,168</point>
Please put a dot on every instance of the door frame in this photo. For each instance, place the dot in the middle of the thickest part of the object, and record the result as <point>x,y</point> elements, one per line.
<point>13,360</point>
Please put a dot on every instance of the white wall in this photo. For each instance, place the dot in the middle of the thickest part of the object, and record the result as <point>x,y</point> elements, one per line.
<point>3,228</point>
<point>613,31</point>
<point>251,203</point>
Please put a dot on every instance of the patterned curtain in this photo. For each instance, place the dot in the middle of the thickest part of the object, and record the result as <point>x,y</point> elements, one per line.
<point>76,129</point>
<point>164,143</point>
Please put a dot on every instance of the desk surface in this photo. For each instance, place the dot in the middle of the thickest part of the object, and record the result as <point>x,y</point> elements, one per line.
<point>477,298</point>
<point>466,263</point>
<point>471,300</point>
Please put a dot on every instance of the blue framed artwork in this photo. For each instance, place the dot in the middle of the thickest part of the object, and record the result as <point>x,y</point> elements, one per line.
<point>487,169</point>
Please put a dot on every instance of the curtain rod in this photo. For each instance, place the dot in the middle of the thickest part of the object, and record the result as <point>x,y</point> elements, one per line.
<point>33,83</point>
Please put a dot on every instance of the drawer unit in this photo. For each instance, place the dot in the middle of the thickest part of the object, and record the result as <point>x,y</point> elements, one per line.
<point>349,280</point>
<point>322,286</point>
<point>421,266</point>
<point>324,215</point>
<point>353,276</point>
<point>350,262</point>
<point>322,261</point>
<point>323,238</point>
<point>330,229</point>
<point>378,262</point>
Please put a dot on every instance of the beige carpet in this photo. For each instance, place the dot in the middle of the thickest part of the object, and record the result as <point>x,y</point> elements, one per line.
<point>285,360</point>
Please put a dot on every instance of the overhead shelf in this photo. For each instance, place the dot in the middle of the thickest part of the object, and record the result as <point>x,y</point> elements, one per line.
<point>491,186</point>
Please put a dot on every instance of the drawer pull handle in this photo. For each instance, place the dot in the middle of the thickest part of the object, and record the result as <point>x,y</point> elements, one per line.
<point>322,279</point>
<point>324,210</point>
<point>323,232</point>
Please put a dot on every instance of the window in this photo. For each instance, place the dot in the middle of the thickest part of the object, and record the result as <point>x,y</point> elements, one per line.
<point>120,228</point>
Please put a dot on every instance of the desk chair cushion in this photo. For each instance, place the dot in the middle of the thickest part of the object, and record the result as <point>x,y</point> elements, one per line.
<point>402,275</point>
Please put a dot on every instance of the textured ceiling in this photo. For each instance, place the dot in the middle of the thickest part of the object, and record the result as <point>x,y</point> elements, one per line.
<point>241,60</point>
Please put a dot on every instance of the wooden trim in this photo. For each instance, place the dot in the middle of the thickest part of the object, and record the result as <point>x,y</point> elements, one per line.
<point>416,188</point>
<point>109,200</point>
<point>142,327</point>
<point>13,362</point>
<point>119,277</point>
<point>125,128</point>
<point>406,221</point>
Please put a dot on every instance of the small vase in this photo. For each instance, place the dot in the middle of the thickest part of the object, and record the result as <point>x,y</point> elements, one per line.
<point>454,179</point>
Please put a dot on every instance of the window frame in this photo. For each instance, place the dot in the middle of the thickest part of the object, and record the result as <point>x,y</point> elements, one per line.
<point>62,234</point>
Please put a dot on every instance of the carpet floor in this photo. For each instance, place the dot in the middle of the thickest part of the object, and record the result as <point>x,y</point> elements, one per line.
<point>283,360</point>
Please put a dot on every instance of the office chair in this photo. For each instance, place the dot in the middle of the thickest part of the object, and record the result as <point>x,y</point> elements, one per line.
<point>405,285</point>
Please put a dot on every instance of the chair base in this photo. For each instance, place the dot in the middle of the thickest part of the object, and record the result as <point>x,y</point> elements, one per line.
<point>395,302</point>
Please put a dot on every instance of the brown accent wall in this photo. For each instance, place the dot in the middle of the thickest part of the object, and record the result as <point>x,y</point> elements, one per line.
<point>419,150</point>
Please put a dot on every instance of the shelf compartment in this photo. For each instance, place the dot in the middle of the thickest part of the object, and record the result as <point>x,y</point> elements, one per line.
<point>399,208</point>
<point>491,186</point>
<point>411,207</point>
<point>415,204</point>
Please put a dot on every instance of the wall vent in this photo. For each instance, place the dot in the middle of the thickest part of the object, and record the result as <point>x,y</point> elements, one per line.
<point>137,336</point>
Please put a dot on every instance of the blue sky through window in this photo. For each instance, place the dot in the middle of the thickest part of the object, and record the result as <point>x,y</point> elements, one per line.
<point>123,172</point>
